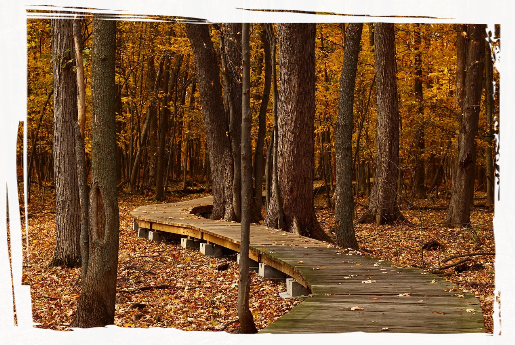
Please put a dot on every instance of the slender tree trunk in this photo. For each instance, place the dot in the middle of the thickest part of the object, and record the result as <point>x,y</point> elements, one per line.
<point>383,199</point>
<point>344,201</point>
<point>462,188</point>
<point>245,316</point>
<point>8,164</point>
<point>67,212</point>
<point>258,157</point>
<point>164,114</point>
<point>34,143</point>
<point>97,300</point>
<point>216,126</point>
<point>296,116</point>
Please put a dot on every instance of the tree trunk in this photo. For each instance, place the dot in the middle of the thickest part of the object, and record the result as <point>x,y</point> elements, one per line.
<point>216,126</point>
<point>258,156</point>
<point>163,129</point>
<point>67,211</point>
<point>344,201</point>
<point>462,188</point>
<point>383,199</point>
<point>231,52</point>
<point>296,116</point>
<point>245,316</point>
<point>97,301</point>
<point>8,164</point>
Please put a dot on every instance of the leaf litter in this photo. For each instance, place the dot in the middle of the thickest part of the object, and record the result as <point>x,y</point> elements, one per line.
<point>159,284</point>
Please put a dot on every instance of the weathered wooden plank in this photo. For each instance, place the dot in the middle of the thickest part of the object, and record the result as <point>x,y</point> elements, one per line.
<point>393,299</point>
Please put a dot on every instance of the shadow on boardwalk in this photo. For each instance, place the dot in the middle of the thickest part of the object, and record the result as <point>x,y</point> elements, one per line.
<point>349,292</point>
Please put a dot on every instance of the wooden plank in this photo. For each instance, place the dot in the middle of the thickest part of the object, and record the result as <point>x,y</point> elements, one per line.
<point>393,299</point>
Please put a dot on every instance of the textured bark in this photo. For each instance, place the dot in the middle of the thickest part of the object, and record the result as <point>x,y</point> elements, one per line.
<point>231,53</point>
<point>97,300</point>
<point>462,188</point>
<point>344,201</point>
<point>296,115</point>
<point>245,316</point>
<point>216,126</point>
<point>67,209</point>
<point>8,164</point>
<point>383,199</point>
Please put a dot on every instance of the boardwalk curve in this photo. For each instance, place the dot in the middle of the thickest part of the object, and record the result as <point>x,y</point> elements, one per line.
<point>350,292</point>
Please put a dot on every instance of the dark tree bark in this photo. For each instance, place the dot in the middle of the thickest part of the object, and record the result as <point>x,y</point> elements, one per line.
<point>67,209</point>
<point>216,125</point>
<point>295,144</point>
<point>232,70</point>
<point>245,316</point>
<point>462,188</point>
<point>8,164</point>
<point>383,206</point>
<point>344,201</point>
<point>97,301</point>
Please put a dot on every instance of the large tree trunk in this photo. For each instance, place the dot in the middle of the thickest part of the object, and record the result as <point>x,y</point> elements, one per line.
<point>295,144</point>
<point>462,188</point>
<point>67,209</point>
<point>216,126</point>
<point>8,164</point>
<point>231,52</point>
<point>344,201</point>
<point>383,199</point>
<point>97,301</point>
<point>489,95</point>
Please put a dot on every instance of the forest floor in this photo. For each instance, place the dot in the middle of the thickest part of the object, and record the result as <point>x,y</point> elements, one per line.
<point>164,285</point>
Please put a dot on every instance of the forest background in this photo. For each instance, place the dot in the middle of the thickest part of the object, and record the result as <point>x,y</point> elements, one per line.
<point>158,97</point>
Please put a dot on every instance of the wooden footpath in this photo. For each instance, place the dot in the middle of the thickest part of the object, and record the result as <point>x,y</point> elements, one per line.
<point>350,292</point>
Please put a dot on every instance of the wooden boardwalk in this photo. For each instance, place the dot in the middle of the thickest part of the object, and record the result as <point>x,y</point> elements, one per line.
<point>350,292</point>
